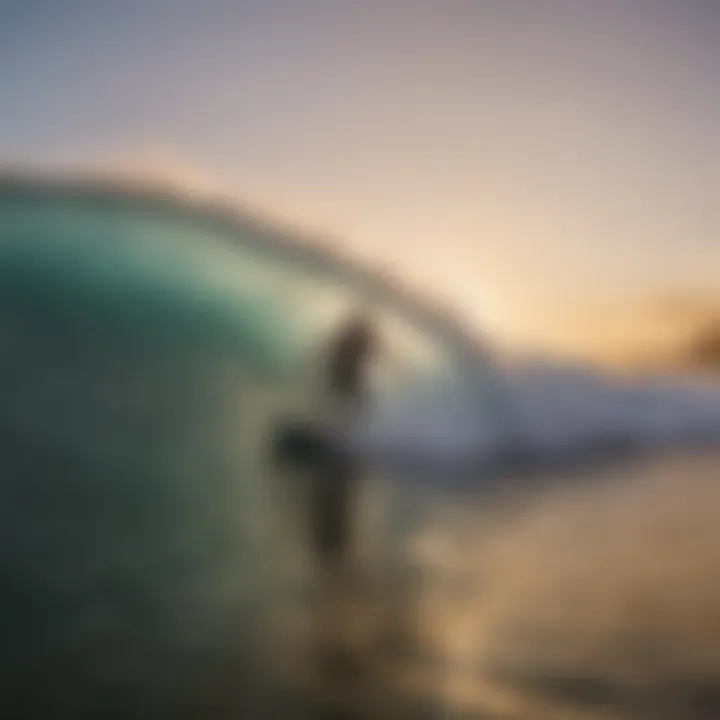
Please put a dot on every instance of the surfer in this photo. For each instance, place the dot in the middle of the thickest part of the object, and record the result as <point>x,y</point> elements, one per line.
<point>347,360</point>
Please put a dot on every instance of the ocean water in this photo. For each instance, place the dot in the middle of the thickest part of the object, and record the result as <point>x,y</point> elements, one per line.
<point>154,559</point>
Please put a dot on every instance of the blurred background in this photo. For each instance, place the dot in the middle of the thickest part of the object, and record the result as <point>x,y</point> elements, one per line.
<point>523,197</point>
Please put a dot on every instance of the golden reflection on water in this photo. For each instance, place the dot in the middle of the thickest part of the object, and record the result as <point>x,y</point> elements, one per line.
<point>584,600</point>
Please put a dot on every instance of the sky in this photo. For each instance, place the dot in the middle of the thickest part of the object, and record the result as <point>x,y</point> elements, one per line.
<point>543,164</point>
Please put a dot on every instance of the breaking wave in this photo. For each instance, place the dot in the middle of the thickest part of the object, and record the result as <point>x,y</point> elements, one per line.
<point>150,548</point>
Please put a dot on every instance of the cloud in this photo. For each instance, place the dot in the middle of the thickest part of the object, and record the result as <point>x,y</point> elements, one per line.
<point>158,168</point>
<point>695,322</point>
<point>678,330</point>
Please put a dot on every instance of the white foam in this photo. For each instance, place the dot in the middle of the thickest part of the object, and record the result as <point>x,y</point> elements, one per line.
<point>552,409</point>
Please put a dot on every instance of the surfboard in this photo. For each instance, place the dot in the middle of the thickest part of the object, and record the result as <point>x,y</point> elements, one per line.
<point>303,443</point>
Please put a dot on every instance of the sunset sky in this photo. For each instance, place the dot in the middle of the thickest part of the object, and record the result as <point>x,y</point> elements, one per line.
<point>540,162</point>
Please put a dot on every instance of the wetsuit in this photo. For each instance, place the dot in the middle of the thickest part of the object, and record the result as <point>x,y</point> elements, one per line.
<point>336,475</point>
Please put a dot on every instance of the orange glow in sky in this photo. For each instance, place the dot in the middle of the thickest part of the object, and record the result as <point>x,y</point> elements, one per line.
<point>524,159</point>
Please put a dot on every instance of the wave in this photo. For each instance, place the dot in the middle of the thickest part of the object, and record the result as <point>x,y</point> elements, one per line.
<point>149,549</point>
<point>239,274</point>
<point>547,412</point>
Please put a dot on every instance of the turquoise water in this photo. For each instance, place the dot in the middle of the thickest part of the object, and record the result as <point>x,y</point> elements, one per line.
<point>140,543</point>
<point>151,550</point>
<point>146,274</point>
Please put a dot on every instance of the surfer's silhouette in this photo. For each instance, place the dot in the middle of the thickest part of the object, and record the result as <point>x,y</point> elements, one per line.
<point>348,358</point>
<point>345,373</point>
